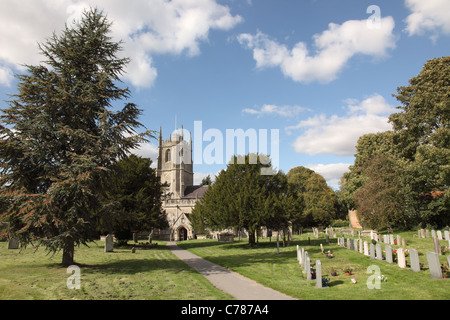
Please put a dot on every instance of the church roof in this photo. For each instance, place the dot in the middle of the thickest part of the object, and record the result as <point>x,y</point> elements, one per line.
<point>194,192</point>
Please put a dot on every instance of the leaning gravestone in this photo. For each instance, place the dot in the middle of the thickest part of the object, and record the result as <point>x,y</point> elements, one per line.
<point>388,254</point>
<point>414,260</point>
<point>13,243</point>
<point>434,265</point>
<point>401,258</point>
<point>437,246</point>
<point>109,243</point>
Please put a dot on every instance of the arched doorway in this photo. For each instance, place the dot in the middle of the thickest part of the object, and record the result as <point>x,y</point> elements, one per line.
<point>182,234</point>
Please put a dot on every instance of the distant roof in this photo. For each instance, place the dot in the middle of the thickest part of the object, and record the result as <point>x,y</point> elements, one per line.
<point>194,192</point>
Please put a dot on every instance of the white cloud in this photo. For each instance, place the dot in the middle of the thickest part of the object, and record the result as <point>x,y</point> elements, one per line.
<point>332,173</point>
<point>270,109</point>
<point>6,76</point>
<point>338,135</point>
<point>335,46</point>
<point>147,150</point>
<point>429,15</point>
<point>147,27</point>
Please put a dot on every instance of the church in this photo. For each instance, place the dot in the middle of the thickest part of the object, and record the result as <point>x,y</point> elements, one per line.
<point>175,167</point>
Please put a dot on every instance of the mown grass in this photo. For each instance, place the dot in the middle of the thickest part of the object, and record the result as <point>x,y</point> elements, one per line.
<point>150,274</point>
<point>283,273</point>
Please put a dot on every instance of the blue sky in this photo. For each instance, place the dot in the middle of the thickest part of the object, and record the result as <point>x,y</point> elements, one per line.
<point>322,72</point>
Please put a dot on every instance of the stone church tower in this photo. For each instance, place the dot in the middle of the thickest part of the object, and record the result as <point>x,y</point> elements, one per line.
<point>175,167</point>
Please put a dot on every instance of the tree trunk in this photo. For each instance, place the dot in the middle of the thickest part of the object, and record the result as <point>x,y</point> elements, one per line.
<point>68,252</point>
<point>251,238</point>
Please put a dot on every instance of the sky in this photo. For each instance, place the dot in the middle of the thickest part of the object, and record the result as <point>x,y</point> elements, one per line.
<point>307,78</point>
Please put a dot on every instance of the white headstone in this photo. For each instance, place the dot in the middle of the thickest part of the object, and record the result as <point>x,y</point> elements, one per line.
<point>388,254</point>
<point>401,258</point>
<point>318,274</point>
<point>366,248</point>
<point>414,260</point>
<point>434,265</point>
<point>439,234</point>
<point>379,255</point>
<point>109,243</point>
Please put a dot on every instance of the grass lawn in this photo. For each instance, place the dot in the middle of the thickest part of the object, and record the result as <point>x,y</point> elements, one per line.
<point>283,273</point>
<point>148,274</point>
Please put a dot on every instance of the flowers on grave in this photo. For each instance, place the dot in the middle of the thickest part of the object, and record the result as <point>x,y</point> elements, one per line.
<point>354,280</point>
<point>445,271</point>
<point>329,254</point>
<point>347,270</point>
<point>333,271</point>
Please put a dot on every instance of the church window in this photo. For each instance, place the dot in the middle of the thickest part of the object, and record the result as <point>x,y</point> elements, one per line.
<point>167,155</point>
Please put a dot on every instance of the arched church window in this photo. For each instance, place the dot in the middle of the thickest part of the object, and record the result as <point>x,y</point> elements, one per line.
<point>167,155</point>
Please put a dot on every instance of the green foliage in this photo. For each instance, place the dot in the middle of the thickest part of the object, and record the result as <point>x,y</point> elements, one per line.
<point>243,198</point>
<point>318,199</point>
<point>137,193</point>
<point>60,138</point>
<point>410,165</point>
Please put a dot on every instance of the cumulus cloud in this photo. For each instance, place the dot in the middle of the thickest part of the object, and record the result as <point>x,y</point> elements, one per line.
<point>338,135</point>
<point>332,173</point>
<point>147,27</point>
<point>428,16</point>
<point>334,47</point>
<point>270,109</point>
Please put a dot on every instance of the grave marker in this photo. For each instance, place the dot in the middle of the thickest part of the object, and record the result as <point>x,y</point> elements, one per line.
<point>379,255</point>
<point>388,254</point>
<point>401,258</point>
<point>434,265</point>
<point>437,246</point>
<point>318,274</point>
<point>372,251</point>
<point>109,243</point>
<point>414,260</point>
<point>366,248</point>
<point>13,243</point>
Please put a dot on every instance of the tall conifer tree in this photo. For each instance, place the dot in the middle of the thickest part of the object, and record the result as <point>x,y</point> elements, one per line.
<point>60,136</point>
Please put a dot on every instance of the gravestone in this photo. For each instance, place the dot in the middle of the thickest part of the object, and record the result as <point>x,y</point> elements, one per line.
<point>439,234</point>
<point>348,243</point>
<point>388,254</point>
<point>13,243</point>
<point>298,257</point>
<point>404,242</point>
<point>437,246</point>
<point>308,268</point>
<point>372,251</point>
<point>342,241</point>
<point>305,258</point>
<point>414,260</point>
<point>427,233</point>
<point>302,254</point>
<point>135,238</point>
<point>327,238</point>
<point>352,245</point>
<point>318,274</point>
<point>321,248</point>
<point>361,246</point>
<point>366,248</point>
<point>399,240</point>
<point>355,244</point>
<point>401,258</point>
<point>109,243</point>
<point>379,255</point>
<point>391,239</point>
<point>419,233</point>
<point>446,235</point>
<point>433,233</point>
<point>434,265</point>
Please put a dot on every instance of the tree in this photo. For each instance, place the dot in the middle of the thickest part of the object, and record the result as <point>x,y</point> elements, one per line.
<point>379,200</point>
<point>60,137</point>
<point>138,194</point>
<point>319,200</point>
<point>239,198</point>
<point>206,181</point>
